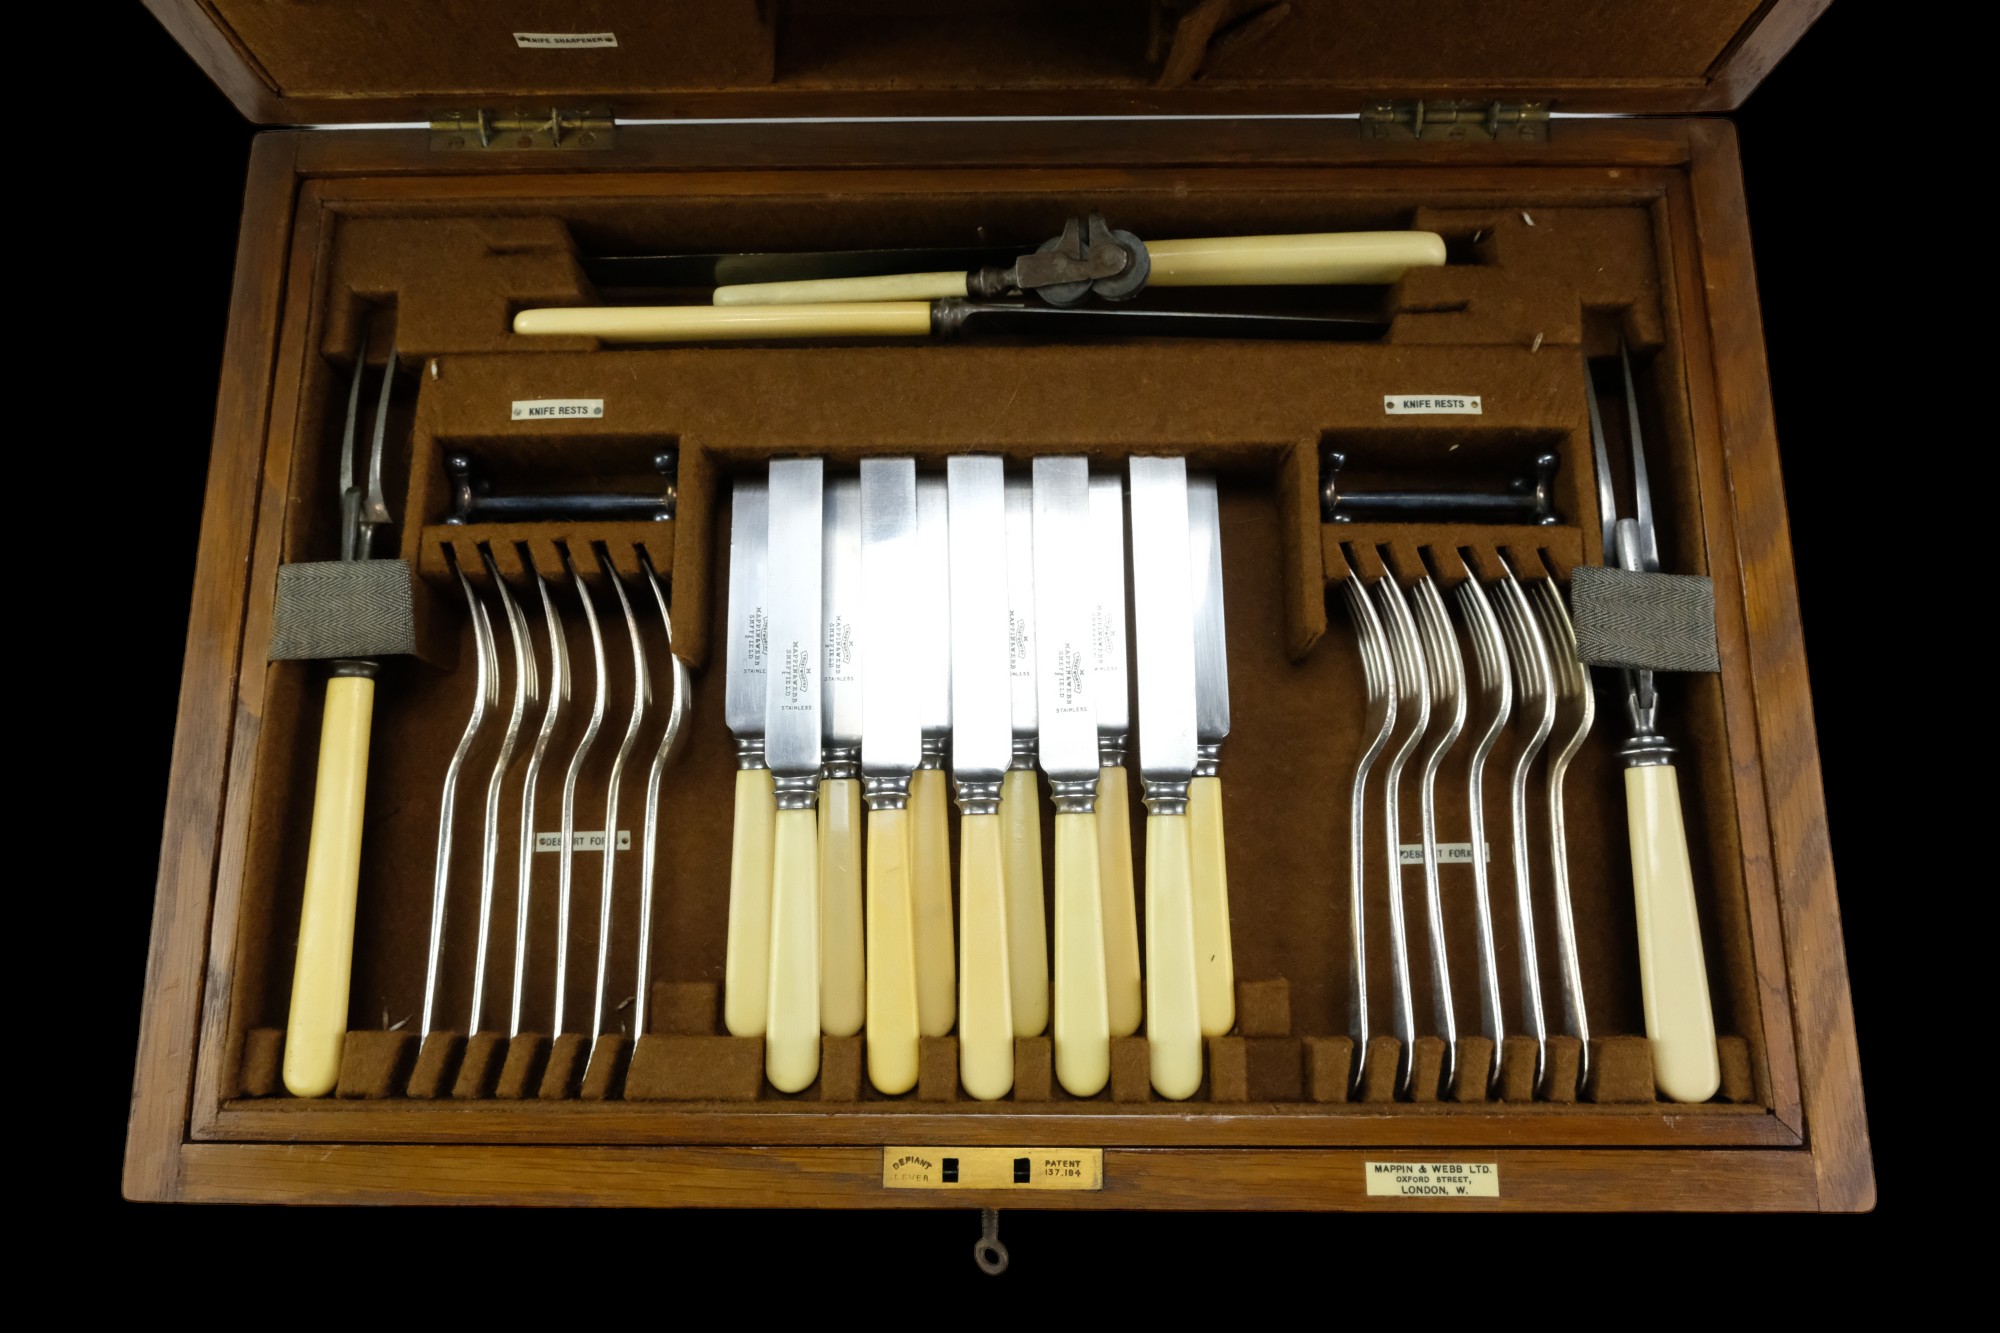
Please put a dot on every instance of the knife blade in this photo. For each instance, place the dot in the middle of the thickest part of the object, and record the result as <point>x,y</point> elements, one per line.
<point>721,270</point>
<point>891,747</point>
<point>746,971</point>
<point>981,749</point>
<point>1215,974</point>
<point>1067,744</point>
<point>1020,790</point>
<point>792,749</point>
<point>1164,620</point>
<point>842,999</point>
<point>1110,694</point>
<point>930,829</point>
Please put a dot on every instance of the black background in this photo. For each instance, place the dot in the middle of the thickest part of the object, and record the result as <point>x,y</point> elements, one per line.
<point>167,205</point>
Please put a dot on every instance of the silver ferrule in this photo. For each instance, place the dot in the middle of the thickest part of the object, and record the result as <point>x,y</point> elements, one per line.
<point>1110,750</point>
<point>890,793</point>
<point>750,752</point>
<point>797,793</point>
<point>355,666</point>
<point>1648,749</point>
<point>1206,757</point>
<point>1024,753</point>
<point>978,798</point>
<point>1074,796</point>
<point>1166,796</point>
<point>933,752</point>
<point>839,763</point>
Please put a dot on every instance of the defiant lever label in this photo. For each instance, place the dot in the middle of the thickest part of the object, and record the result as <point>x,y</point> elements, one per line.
<point>1433,1180</point>
<point>541,409</point>
<point>560,41</point>
<point>929,1168</point>
<point>1431,404</point>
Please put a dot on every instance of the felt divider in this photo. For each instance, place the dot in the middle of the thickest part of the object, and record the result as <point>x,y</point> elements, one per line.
<point>1426,1068</point>
<point>374,1065</point>
<point>604,1074</point>
<point>1329,1068</point>
<point>564,1071</point>
<point>1471,1070</point>
<point>261,1065</point>
<point>437,1065</point>
<point>479,1067</point>
<point>521,1072</point>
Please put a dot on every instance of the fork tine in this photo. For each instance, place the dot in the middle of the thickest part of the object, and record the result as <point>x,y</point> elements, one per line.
<point>1497,702</point>
<point>1642,490</point>
<point>1413,709</point>
<point>1607,497</point>
<point>1380,720</point>
<point>1574,684</point>
<point>1531,668</point>
<point>1447,686</point>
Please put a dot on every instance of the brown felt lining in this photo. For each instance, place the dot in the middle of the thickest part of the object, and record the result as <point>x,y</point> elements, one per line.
<point>1505,323</point>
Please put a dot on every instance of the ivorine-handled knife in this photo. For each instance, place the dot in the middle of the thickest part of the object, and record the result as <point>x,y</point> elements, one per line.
<point>842,1001</point>
<point>1164,620</point>
<point>746,967</point>
<point>1020,791</point>
<point>891,745</point>
<point>981,745</point>
<point>1110,693</point>
<point>1068,747</point>
<point>1215,967</point>
<point>792,748</point>
<point>930,826</point>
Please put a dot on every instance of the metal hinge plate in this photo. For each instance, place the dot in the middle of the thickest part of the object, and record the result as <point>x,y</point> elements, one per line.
<point>522,131</point>
<point>1471,122</point>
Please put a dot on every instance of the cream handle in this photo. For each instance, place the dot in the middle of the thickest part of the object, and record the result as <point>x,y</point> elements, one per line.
<point>892,955</point>
<point>791,1036</point>
<point>1123,989</point>
<point>707,323</point>
<point>1318,258</point>
<point>1215,965</point>
<point>821,291</point>
<point>1027,919</point>
<point>841,1000</point>
<point>1082,1020</point>
<point>1673,977</point>
<point>930,902</point>
<point>746,958</point>
<point>1173,1011</point>
<point>318,1021</point>
<point>985,1015</point>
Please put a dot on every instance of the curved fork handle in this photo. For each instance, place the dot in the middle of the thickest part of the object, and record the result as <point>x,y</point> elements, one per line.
<point>318,1019</point>
<point>791,1034</point>
<point>1027,917</point>
<point>892,955</point>
<point>1673,976</point>
<point>841,952</point>
<point>1173,1008</point>
<point>930,902</point>
<point>1215,964</point>
<point>1082,1014</point>
<point>985,1017</point>
<point>746,959</point>
<point>1123,988</point>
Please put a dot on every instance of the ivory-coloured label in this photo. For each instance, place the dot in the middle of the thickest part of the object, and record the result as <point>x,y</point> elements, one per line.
<point>582,841</point>
<point>563,41</point>
<point>1431,404</point>
<point>1433,1180</point>
<point>928,1168</point>
<point>540,409</point>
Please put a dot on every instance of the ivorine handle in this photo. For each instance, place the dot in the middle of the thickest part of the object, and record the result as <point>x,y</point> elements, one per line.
<point>707,323</point>
<point>318,1021</point>
<point>930,902</point>
<point>1215,965</point>
<point>1123,988</point>
<point>1027,917</point>
<point>1173,1013</point>
<point>791,1034</point>
<point>1673,978</point>
<point>892,955</point>
<point>746,958</point>
<point>1082,1018</point>
<point>842,1002</point>
<point>821,291</point>
<point>985,1009</point>
<point>1316,258</point>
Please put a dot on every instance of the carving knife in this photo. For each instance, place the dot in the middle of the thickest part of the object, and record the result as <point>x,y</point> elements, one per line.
<point>746,969</point>
<point>1068,749</point>
<point>1215,968</point>
<point>1164,621</point>
<point>891,745</point>
<point>841,1000</point>
<point>792,749</point>
<point>1110,692</point>
<point>1020,791</point>
<point>930,827</point>
<point>981,746</point>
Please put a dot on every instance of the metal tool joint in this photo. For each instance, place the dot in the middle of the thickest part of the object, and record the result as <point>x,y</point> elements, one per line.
<point>1074,796</point>
<point>932,754</point>
<point>887,793</point>
<point>1647,749</point>
<point>978,798</point>
<point>750,752</point>
<point>840,763</point>
<point>355,666</point>
<point>1207,757</point>
<point>1111,749</point>
<point>1024,753</point>
<point>1166,796</point>
<point>797,792</point>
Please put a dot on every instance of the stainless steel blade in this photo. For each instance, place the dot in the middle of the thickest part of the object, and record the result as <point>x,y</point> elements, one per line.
<point>1163,617</point>
<point>749,622</point>
<point>891,737</point>
<point>932,651</point>
<point>982,728</point>
<point>717,270</point>
<point>1211,639</point>
<point>792,592</point>
<point>1021,605</point>
<point>1068,731</point>
<point>840,617</point>
<point>1110,687</point>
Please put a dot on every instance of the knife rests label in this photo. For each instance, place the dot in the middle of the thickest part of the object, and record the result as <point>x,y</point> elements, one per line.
<point>552,409</point>
<point>929,1168</point>
<point>563,41</point>
<point>1433,1180</point>
<point>1431,405</point>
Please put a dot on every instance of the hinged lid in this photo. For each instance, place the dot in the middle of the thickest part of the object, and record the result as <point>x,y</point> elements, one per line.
<point>332,61</point>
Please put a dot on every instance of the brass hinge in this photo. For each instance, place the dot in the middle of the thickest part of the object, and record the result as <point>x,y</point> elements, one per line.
<point>522,131</point>
<point>1514,122</point>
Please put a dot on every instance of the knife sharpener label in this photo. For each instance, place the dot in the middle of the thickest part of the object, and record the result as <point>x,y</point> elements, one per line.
<point>554,409</point>
<point>581,841</point>
<point>1431,405</point>
<point>1449,853</point>
<point>1433,1180</point>
<point>563,41</point>
<point>928,1168</point>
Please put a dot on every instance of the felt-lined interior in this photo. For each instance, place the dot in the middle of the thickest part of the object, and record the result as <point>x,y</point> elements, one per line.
<point>1532,285</point>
